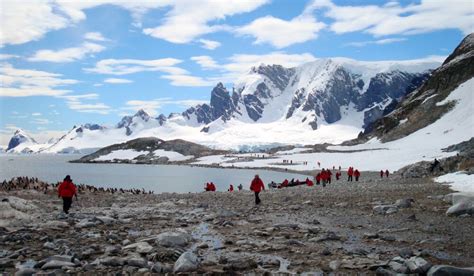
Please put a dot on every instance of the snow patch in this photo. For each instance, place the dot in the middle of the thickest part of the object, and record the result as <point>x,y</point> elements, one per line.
<point>128,154</point>
<point>459,181</point>
<point>172,155</point>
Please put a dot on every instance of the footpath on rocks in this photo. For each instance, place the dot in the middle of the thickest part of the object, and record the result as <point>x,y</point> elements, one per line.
<point>373,226</point>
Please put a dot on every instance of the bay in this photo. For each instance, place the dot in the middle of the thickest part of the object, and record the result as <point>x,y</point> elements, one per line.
<point>157,178</point>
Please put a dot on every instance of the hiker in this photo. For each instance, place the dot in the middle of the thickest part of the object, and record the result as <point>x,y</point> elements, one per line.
<point>329,176</point>
<point>240,187</point>
<point>338,175</point>
<point>324,177</point>
<point>386,173</point>
<point>257,186</point>
<point>207,187</point>
<point>213,187</point>
<point>357,174</point>
<point>318,179</point>
<point>381,173</point>
<point>231,188</point>
<point>284,183</point>
<point>309,182</point>
<point>350,172</point>
<point>67,190</point>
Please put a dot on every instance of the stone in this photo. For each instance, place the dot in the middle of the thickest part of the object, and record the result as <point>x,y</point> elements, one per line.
<point>111,261</point>
<point>187,262</point>
<point>25,272</point>
<point>173,239</point>
<point>136,262</point>
<point>6,263</point>
<point>334,265</point>
<point>106,220</point>
<point>446,270</point>
<point>405,253</point>
<point>418,265</point>
<point>112,249</point>
<point>404,203</point>
<point>240,263</point>
<point>397,265</point>
<point>140,247</point>
<point>463,203</point>
<point>384,272</point>
<point>49,245</point>
<point>371,235</point>
<point>85,223</point>
<point>385,209</point>
<point>54,264</point>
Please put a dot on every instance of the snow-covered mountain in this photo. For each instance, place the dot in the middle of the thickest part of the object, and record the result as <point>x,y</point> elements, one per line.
<point>22,142</point>
<point>327,100</point>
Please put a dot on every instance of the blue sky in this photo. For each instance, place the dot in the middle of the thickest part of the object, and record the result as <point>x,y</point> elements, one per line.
<point>64,63</point>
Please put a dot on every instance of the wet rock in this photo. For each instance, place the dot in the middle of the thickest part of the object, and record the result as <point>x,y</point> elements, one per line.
<point>112,249</point>
<point>187,262</point>
<point>404,203</point>
<point>446,270</point>
<point>385,209</point>
<point>140,247</point>
<point>54,264</point>
<point>418,265</point>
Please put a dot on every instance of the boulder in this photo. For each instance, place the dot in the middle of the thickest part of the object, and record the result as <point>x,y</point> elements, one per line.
<point>111,261</point>
<point>418,265</point>
<point>173,239</point>
<point>463,203</point>
<point>25,272</point>
<point>404,203</point>
<point>446,270</point>
<point>187,262</point>
<point>140,247</point>
<point>55,264</point>
<point>385,209</point>
<point>136,262</point>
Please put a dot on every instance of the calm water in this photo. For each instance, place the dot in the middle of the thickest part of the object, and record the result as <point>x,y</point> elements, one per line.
<point>159,178</point>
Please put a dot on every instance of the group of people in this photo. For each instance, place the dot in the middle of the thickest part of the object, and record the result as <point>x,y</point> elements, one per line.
<point>382,173</point>
<point>351,172</point>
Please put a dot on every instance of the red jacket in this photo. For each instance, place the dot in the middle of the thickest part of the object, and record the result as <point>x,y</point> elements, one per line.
<point>257,185</point>
<point>356,173</point>
<point>66,189</point>
<point>350,171</point>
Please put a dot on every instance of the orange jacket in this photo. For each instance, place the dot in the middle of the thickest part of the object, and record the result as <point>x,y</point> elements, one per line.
<point>257,185</point>
<point>66,189</point>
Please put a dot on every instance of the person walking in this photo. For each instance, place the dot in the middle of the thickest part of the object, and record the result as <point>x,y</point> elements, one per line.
<point>231,188</point>
<point>67,190</point>
<point>350,172</point>
<point>387,173</point>
<point>257,186</point>
<point>381,173</point>
<point>356,174</point>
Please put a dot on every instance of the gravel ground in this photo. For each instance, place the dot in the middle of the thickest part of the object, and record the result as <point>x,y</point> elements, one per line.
<point>294,230</point>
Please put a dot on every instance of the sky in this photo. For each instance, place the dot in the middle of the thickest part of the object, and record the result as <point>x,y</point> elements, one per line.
<point>66,63</point>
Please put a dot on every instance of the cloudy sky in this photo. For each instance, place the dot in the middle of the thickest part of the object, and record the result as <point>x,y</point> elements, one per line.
<point>64,63</point>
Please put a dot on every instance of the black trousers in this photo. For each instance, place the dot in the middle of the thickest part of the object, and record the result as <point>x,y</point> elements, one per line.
<point>67,201</point>
<point>257,199</point>
<point>349,178</point>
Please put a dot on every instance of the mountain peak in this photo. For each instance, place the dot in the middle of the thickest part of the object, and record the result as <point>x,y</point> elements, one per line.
<point>18,138</point>
<point>464,49</point>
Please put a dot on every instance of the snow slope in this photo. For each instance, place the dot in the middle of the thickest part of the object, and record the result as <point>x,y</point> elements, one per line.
<point>425,144</point>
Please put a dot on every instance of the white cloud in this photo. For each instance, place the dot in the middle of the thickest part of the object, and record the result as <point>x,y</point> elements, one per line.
<point>378,42</point>
<point>75,102</point>
<point>25,82</point>
<point>95,36</point>
<point>240,64</point>
<point>187,80</point>
<point>153,106</point>
<point>130,66</point>
<point>25,21</point>
<point>7,56</point>
<point>206,62</point>
<point>393,19</point>
<point>41,121</point>
<point>36,114</point>
<point>281,33</point>
<point>117,81</point>
<point>209,44</point>
<point>68,54</point>
<point>188,20</point>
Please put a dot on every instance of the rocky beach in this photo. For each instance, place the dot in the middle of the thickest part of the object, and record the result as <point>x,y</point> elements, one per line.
<point>374,226</point>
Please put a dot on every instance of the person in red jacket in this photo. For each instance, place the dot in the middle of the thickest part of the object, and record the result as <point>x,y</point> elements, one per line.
<point>67,190</point>
<point>318,179</point>
<point>309,182</point>
<point>213,187</point>
<point>257,186</point>
<point>386,173</point>
<point>381,173</point>
<point>350,172</point>
<point>357,174</point>
<point>231,188</point>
